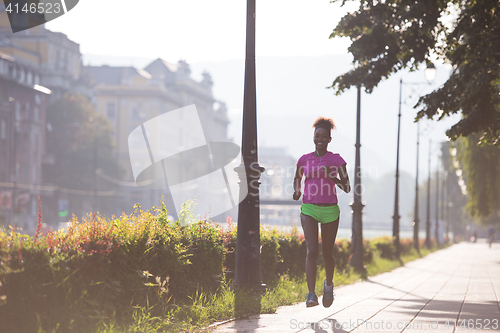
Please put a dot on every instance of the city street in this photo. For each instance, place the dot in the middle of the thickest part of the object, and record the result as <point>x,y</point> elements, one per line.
<point>452,290</point>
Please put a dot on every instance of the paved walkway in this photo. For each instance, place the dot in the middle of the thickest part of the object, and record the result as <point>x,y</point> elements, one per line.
<point>453,290</point>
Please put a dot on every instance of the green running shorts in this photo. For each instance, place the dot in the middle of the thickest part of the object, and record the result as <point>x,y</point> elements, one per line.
<point>322,214</point>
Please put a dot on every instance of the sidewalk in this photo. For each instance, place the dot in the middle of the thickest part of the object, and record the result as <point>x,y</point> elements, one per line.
<point>453,290</point>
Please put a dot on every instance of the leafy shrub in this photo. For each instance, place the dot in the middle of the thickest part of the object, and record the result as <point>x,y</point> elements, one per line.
<point>369,251</point>
<point>384,246</point>
<point>406,246</point>
<point>292,252</point>
<point>101,269</point>
<point>270,256</point>
<point>229,251</point>
<point>342,253</point>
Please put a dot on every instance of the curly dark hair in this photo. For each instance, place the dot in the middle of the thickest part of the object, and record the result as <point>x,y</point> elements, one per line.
<point>326,123</point>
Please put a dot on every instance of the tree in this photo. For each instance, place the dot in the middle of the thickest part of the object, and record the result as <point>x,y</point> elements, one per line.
<point>81,141</point>
<point>481,171</point>
<point>456,216</point>
<point>389,35</point>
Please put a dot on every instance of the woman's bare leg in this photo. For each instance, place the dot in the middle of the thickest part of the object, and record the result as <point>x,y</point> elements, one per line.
<point>328,235</point>
<point>310,227</point>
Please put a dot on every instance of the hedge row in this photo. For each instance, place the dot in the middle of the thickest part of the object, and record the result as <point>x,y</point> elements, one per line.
<point>101,269</point>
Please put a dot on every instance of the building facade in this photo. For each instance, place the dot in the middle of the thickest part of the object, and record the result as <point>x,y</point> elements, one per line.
<point>276,189</point>
<point>57,58</point>
<point>52,62</point>
<point>22,142</point>
<point>129,97</point>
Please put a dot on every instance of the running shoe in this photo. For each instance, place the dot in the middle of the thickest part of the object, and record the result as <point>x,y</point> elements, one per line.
<point>312,299</point>
<point>327,295</point>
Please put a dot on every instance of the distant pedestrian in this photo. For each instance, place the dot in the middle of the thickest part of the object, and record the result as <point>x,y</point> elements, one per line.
<point>322,170</point>
<point>491,234</point>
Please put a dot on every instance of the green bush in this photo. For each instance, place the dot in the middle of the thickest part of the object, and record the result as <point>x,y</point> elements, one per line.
<point>110,269</point>
<point>292,252</point>
<point>342,254</point>
<point>102,269</point>
<point>406,246</point>
<point>384,246</point>
<point>369,251</point>
<point>269,256</point>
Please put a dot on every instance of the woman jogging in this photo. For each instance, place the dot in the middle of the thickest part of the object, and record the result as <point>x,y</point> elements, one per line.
<point>322,170</point>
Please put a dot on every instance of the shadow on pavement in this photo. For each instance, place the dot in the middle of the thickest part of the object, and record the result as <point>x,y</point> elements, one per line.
<point>393,288</point>
<point>336,326</point>
<point>447,309</point>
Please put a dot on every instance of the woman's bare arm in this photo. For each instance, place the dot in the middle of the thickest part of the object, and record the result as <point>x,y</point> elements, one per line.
<point>297,179</point>
<point>343,181</point>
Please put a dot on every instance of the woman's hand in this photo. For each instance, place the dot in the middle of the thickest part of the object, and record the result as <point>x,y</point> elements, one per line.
<point>342,181</point>
<point>296,184</point>
<point>296,195</point>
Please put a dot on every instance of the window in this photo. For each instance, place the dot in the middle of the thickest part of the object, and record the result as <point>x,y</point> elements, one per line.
<point>58,59</point>
<point>34,174</point>
<point>138,113</point>
<point>34,206</point>
<point>3,130</point>
<point>36,114</point>
<point>111,110</point>
<point>27,110</point>
<point>18,110</point>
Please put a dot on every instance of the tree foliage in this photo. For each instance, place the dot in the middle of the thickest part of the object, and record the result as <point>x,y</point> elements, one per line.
<point>80,141</point>
<point>389,35</point>
<point>481,171</point>
<point>455,199</point>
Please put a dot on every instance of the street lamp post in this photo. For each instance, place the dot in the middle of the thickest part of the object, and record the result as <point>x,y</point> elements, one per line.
<point>357,205</point>
<point>416,221</point>
<point>447,206</point>
<point>247,270</point>
<point>443,195</point>
<point>430,75</point>
<point>94,164</point>
<point>436,230</point>
<point>16,129</point>
<point>428,215</point>
<point>395,216</point>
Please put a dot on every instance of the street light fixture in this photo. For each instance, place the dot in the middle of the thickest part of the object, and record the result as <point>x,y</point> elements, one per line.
<point>430,75</point>
<point>430,72</point>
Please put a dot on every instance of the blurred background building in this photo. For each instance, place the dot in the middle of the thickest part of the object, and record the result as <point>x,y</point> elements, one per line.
<point>22,140</point>
<point>39,67</point>
<point>128,97</point>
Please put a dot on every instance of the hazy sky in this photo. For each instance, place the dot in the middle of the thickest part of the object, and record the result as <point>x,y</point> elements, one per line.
<point>201,30</point>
